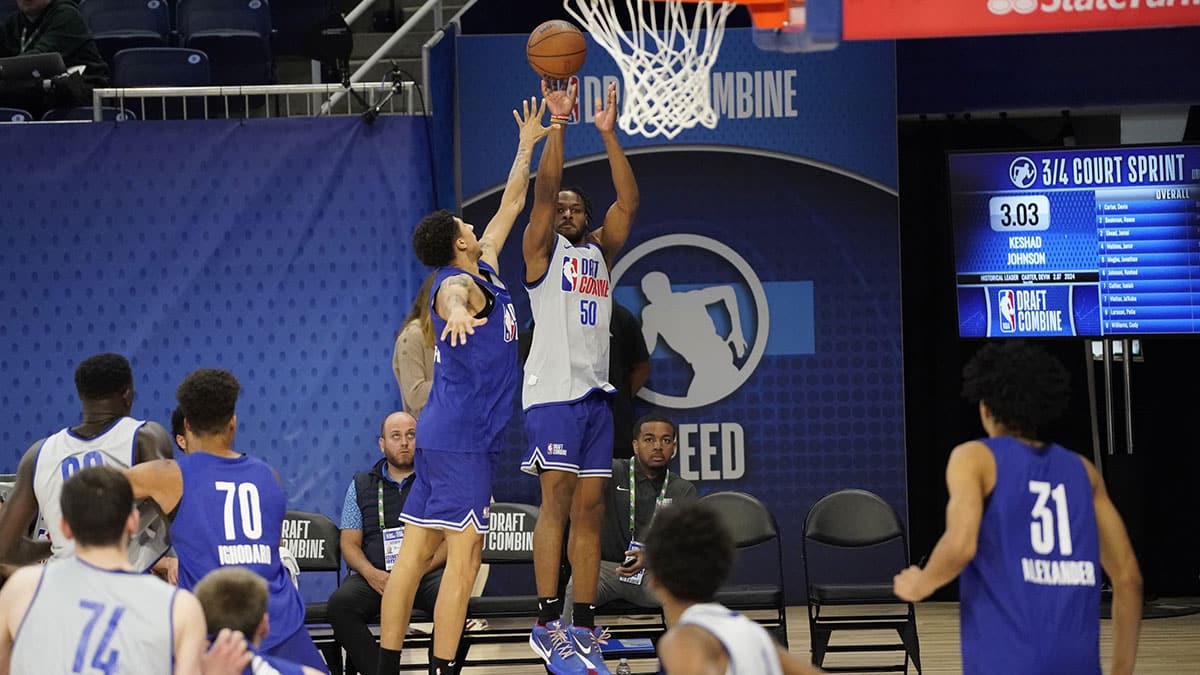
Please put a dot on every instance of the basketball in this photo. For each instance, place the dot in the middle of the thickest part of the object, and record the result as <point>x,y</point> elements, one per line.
<point>556,49</point>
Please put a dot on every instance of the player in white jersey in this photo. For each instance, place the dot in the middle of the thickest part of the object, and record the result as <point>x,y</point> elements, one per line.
<point>690,553</point>
<point>91,612</point>
<point>566,388</point>
<point>106,436</point>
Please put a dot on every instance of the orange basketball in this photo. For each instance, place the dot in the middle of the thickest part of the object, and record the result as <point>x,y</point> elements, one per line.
<point>556,49</point>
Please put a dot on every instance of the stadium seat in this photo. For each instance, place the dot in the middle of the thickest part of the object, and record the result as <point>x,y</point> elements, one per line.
<point>14,115</point>
<point>853,545</point>
<point>162,67</point>
<point>752,526</point>
<point>127,24</point>
<point>236,35</point>
<point>111,113</point>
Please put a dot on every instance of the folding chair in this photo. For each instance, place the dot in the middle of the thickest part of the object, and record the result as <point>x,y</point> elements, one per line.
<point>853,545</point>
<point>752,525</point>
<point>319,551</point>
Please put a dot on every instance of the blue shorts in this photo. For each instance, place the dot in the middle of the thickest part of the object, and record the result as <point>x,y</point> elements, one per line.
<point>575,437</point>
<point>299,648</point>
<point>451,490</point>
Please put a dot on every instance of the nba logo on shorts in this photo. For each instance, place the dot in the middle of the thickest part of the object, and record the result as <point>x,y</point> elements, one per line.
<point>1008,311</point>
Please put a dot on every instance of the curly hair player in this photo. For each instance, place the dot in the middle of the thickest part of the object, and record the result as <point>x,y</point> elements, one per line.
<point>1027,526</point>
<point>690,552</point>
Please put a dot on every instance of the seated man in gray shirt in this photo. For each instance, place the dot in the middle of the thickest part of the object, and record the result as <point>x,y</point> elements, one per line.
<point>638,487</point>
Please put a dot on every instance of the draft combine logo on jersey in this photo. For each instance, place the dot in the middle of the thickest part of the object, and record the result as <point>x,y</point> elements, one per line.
<point>581,275</point>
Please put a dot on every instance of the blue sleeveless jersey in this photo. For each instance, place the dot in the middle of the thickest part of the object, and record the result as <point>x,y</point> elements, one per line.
<point>1030,598</point>
<point>471,400</point>
<point>231,513</point>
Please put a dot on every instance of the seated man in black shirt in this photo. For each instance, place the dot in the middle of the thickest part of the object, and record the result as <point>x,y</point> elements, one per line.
<point>638,487</point>
<point>371,538</point>
<point>41,27</point>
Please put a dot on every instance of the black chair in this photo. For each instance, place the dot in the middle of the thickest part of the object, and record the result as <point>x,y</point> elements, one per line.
<point>509,542</point>
<point>127,24</point>
<point>162,67</point>
<point>236,35</point>
<point>315,541</point>
<point>107,113</point>
<point>752,525</point>
<point>14,115</point>
<point>854,543</point>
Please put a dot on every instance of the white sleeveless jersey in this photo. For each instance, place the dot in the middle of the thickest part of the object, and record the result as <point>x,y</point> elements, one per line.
<point>84,619</point>
<point>64,453</point>
<point>751,649</point>
<point>572,307</point>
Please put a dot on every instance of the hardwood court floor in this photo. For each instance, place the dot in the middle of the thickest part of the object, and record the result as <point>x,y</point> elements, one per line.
<point>1168,646</point>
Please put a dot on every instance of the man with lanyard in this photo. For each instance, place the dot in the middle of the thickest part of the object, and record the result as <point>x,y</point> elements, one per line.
<point>371,537</point>
<point>639,487</point>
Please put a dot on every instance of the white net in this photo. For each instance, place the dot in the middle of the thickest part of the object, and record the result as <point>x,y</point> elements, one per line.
<point>666,70</point>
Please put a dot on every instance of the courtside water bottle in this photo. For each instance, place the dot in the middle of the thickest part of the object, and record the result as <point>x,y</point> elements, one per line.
<point>623,668</point>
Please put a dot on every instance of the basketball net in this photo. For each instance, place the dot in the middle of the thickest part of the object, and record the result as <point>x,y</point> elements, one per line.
<point>666,71</point>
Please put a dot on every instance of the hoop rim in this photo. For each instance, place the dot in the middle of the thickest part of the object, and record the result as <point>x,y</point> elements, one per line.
<point>765,14</point>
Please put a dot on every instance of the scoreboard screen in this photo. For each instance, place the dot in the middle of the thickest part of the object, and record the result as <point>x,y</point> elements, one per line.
<point>1077,242</point>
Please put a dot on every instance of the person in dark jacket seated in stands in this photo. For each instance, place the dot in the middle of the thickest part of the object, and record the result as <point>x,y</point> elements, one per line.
<point>41,27</point>
<point>371,537</point>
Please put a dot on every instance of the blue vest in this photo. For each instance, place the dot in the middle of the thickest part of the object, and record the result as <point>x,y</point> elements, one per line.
<point>231,513</point>
<point>471,399</point>
<point>366,488</point>
<point>1030,598</point>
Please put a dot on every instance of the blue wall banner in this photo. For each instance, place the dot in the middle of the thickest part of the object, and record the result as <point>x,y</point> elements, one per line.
<point>763,265</point>
<point>277,249</point>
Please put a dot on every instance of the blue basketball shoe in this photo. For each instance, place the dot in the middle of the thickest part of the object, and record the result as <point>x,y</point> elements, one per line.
<point>555,646</point>
<point>587,644</point>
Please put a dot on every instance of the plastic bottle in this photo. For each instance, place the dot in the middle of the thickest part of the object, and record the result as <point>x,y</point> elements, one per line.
<point>623,668</point>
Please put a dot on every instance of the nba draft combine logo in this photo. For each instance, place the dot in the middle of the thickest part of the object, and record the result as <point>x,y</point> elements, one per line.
<point>1008,310</point>
<point>581,275</point>
<point>1026,311</point>
<point>681,321</point>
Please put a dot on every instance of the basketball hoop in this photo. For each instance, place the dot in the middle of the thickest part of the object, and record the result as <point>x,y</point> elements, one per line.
<point>666,69</point>
<point>666,72</point>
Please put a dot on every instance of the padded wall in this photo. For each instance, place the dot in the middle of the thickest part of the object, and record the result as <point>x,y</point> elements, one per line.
<point>277,249</point>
